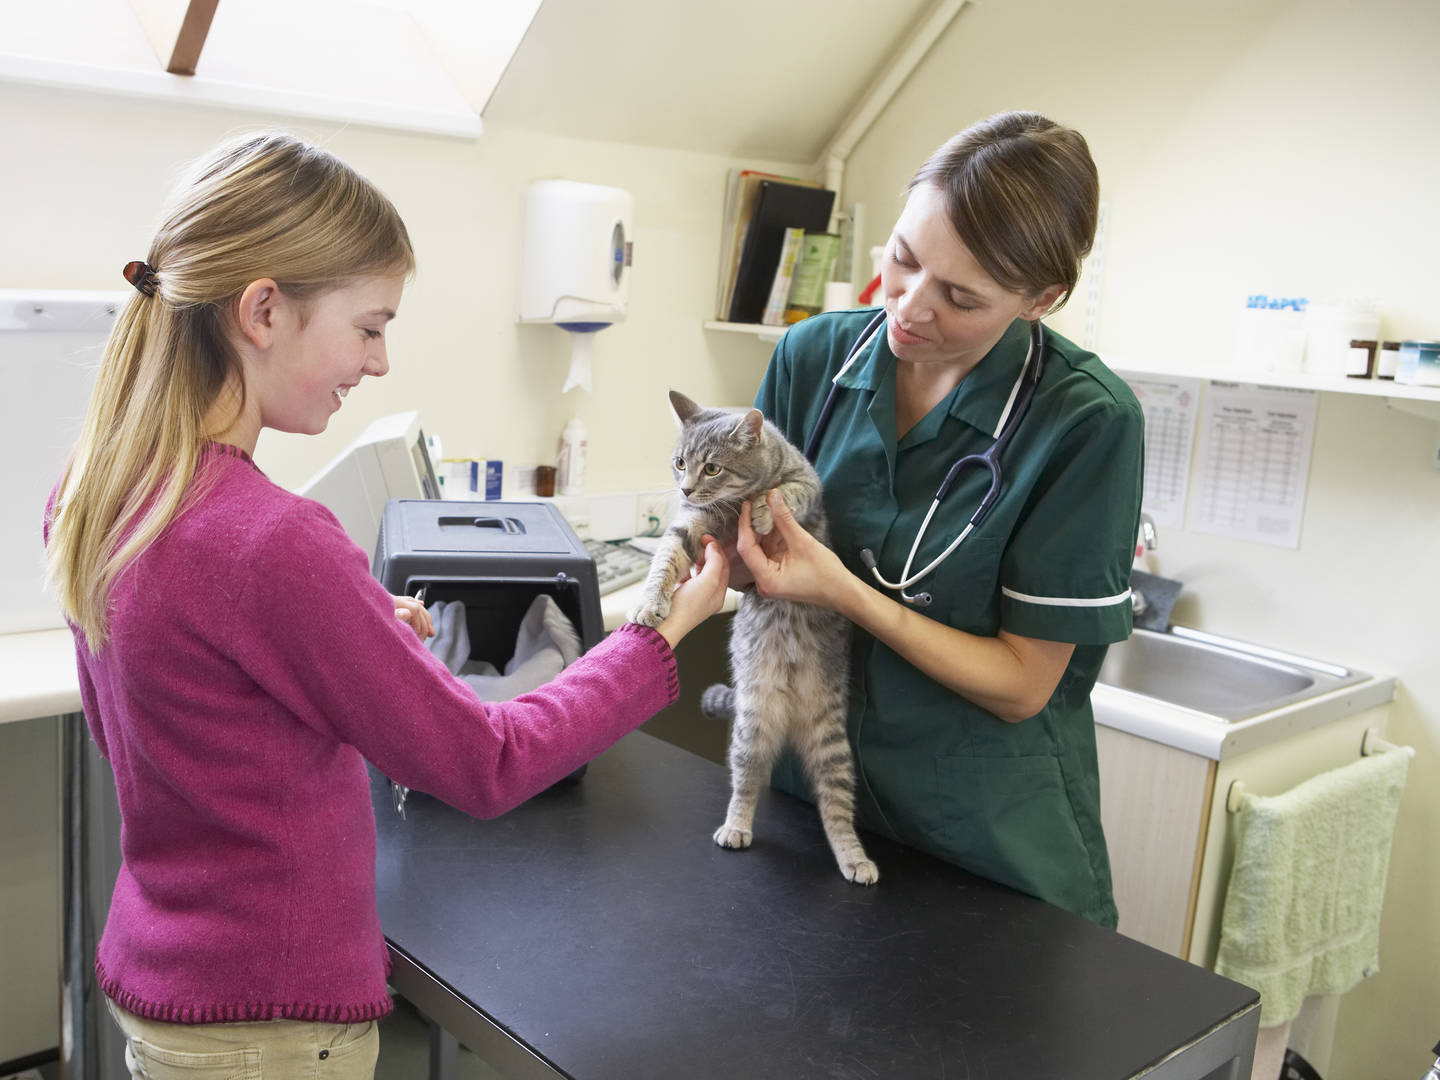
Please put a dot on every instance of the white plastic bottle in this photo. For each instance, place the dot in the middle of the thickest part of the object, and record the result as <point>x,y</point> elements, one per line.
<point>570,467</point>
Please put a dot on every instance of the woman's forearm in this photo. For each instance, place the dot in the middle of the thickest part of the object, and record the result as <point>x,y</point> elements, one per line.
<point>1010,676</point>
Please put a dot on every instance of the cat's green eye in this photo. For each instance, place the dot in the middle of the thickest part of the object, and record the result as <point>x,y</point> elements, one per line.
<point>679,464</point>
<point>711,469</point>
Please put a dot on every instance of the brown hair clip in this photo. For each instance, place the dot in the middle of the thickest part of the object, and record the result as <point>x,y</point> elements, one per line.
<point>142,276</point>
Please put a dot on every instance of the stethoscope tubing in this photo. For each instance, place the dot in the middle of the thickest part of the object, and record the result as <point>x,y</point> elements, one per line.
<point>1014,412</point>
<point>812,445</point>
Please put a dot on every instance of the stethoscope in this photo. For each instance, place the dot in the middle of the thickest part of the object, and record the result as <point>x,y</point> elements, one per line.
<point>1021,394</point>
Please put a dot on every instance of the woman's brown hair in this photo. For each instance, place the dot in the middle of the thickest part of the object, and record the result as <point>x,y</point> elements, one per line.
<point>1024,195</point>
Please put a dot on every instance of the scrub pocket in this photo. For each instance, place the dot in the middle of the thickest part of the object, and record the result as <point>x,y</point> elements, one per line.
<point>966,586</point>
<point>1009,819</point>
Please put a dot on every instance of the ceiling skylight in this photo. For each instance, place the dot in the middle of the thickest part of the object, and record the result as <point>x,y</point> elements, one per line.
<point>420,64</point>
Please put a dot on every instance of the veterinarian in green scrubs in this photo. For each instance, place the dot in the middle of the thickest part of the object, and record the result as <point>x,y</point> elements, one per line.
<point>970,716</point>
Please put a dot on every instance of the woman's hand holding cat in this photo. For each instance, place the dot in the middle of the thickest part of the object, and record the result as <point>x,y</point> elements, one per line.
<point>789,563</point>
<point>740,576</point>
<point>698,597</point>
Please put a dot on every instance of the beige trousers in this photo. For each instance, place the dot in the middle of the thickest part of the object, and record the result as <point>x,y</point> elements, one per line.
<point>260,1050</point>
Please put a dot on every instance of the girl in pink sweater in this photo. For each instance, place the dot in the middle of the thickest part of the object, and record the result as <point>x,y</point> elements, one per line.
<point>238,664</point>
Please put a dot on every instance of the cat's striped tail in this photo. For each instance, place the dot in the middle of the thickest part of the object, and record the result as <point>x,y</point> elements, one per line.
<point>718,702</point>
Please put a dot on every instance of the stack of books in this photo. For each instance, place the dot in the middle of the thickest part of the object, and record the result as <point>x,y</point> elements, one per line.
<point>776,253</point>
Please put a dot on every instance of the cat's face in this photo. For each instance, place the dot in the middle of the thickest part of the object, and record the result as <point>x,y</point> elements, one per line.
<point>717,457</point>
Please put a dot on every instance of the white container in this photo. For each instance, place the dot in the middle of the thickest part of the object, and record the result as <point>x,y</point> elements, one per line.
<point>576,254</point>
<point>1329,329</point>
<point>570,466</point>
<point>1270,340</point>
<point>457,478</point>
<point>877,256</point>
<point>839,295</point>
<point>1419,363</point>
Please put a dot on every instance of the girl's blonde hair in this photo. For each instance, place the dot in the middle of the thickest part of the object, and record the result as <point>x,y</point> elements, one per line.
<point>1024,195</point>
<point>259,205</point>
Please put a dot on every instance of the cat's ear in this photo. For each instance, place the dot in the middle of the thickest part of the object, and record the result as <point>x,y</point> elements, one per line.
<point>682,407</point>
<point>750,426</point>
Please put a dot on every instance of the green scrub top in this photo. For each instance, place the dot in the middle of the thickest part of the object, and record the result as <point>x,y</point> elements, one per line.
<point>1018,803</point>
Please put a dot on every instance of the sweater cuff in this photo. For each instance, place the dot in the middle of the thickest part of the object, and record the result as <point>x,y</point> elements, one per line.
<point>662,649</point>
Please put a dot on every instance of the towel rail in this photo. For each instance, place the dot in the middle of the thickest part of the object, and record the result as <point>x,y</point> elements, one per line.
<point>1234,795</point>
<point>1370,744</point>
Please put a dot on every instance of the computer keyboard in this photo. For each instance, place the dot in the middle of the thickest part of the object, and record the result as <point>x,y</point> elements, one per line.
<point>617,565</point>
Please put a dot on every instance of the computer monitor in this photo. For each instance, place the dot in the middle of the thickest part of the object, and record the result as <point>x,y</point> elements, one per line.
<point>389,460</point>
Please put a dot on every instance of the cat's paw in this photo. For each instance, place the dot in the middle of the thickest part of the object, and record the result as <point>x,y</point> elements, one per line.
<point>761,519</point>
<point>650,611</point>
<point>861,872</point>
<point>728,836</point>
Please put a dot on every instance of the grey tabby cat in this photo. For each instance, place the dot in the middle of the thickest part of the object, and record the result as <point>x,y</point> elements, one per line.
<point>789,661</point>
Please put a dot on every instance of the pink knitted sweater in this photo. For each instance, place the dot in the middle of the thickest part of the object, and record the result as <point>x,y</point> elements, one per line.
<point>253,665</point>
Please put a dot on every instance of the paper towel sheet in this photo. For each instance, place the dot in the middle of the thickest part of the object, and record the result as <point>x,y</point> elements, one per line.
<point>581,351</point>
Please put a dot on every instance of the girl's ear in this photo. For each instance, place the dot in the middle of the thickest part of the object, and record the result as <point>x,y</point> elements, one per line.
<point>255,312</point>
<point>682,407</point>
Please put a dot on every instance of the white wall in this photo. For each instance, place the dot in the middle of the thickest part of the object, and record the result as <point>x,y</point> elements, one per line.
<point>87,175</point>
<point>1285,148</point>
<point>1243,146</point>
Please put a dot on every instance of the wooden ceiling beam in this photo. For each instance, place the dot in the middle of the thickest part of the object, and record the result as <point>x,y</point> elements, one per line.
<point>194,28</point>
<point>176,30</point>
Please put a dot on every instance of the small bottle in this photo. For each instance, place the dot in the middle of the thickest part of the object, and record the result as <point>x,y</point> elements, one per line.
<point>570,467</point>
<point>1360,358</point>
<point>1387,362</point>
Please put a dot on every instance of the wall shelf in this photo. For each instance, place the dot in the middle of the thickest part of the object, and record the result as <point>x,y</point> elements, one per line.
<point>764,333</point>
<point>1420,400</point>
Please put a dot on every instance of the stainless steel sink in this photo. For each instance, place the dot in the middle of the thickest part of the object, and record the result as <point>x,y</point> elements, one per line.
<point>1230,680</point>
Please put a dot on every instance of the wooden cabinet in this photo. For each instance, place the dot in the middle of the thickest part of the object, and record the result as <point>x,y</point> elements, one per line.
<point>1171,840</point>
<point>30,888</point>
<point>1155,807</point>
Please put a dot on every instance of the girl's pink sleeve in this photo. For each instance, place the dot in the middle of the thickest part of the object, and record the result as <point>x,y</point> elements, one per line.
<point>320,635</point>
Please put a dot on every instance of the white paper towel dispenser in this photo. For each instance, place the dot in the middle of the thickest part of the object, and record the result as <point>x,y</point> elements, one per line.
<point>575,262</point>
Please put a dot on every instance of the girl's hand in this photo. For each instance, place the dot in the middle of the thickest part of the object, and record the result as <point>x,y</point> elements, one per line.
<point>740,576</point>
<point>789,563</point>
<point>412,611</point>
<point>697,597</point>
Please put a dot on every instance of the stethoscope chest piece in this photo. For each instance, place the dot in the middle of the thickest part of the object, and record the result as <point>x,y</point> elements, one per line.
<point>919,600</point>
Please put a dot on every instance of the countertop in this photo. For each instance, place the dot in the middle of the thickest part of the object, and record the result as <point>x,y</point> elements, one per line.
<point>597,931</point>
<point>1205,735</point>
<point>37,678</point>
<point>613,606</point>
<point>37,668</point>
<point>37,675</point>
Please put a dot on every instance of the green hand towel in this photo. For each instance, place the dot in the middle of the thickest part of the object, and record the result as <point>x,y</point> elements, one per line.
<point>1302,912</point>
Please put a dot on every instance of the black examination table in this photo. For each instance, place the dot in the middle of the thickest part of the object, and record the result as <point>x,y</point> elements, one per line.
<point>597,932</point>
